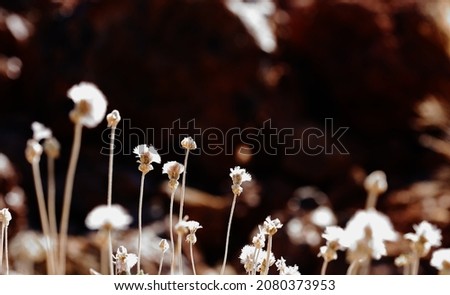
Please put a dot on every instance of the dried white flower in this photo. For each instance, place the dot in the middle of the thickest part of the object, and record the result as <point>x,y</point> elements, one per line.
<point>5,216</point>
<point>259,239</point>
<point>255,259</point>
<point>188,143</point>
<point>366,233</point>
<point>124,261</point>
<point>173,169</point>
<point>147,155</point>
<point>284,269</point>
<point>113,118</point>
<point>192,226</point>
<point>238,176</point>
<point>90,104</point>
<point>334,235</point>
<point>40,131</point>
<point>425,237</point>
<point>270,226</point>
<point>440,259</point>
<point>103,216</point>
<point>163,245</point>
<point>376,182</point>
<point>33,151</point>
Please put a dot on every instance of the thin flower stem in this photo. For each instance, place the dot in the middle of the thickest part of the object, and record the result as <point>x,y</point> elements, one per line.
<point>172,243</point>
<point>6,250</point>
<point>191,252</point>
<point>255,259</point>
<point>109,197</point>
<point>269,250</point>
<point>233,205</point>
<point>371,201</point>
<point>52,206</point>
<point>43,216</point>
<point>183,187</point>
<point>141,197</point>
<point>161,263</point>
<point>104,259</point>
<point>180,257</point>
<point>68,189</point>
<point>323,270</point>
<point>2,236</point>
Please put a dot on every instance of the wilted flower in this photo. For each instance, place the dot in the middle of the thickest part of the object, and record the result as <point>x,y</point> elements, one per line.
<point>124,261</point>
<point>238,176</point>
<point>146,155</point>
<point>5,216</point>
<point>440,259</point>
<point>103,216</point>
<point>173,169</point>
<point>90,104</point>
<point>113,118</point>
<point>40,131</point>
<point>270,226</point>
<point>425,237</point>
<point>188,143</point>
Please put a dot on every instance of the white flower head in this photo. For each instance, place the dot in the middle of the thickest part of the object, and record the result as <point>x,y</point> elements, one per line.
<point>440,259</point>
<point>376,182</point>
<point>163,245</point>
<point>284,269</point>
<point>238,176</point>
<point>192,226</point>
<point>90,104</point>
<point>251,261</point>
<point>5,216</point>
<point>188,143</point>
<point>173,169</point>
<point>103,216</point>
<point>259,239</point>
<point>124,261</point>
<point>113,118</point>
<point>426,236</point>
<point>333,235</point>
<point>147,155</point>
<point>40,131</point>
<point>270,226</point>
<point>366,233</point>
<point>33,151</point>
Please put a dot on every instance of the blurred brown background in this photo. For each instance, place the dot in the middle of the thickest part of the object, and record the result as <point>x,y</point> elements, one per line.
<point>380,68</point>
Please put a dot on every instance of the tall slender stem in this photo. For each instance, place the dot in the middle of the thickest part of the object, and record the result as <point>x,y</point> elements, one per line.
<point>180,257</point>
<point>172,243</point>
<point>109,197</point>
<point>415,264</point>
<point>52,205</point>
<point>6,251</point>
<point>353,268</point>
<point>68,189</point>
<point>2,237</point>
<point>43,216</point>
<point>183,187</point>
<point>233,205</point>
<point>141,197</point>
<point>161,263</point>
<point>191,252</point>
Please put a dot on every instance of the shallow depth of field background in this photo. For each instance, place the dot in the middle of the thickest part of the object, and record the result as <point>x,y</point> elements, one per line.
<point>368,64</point>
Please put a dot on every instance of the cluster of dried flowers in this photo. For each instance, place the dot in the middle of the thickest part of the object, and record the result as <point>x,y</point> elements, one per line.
<point>363,239</point>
